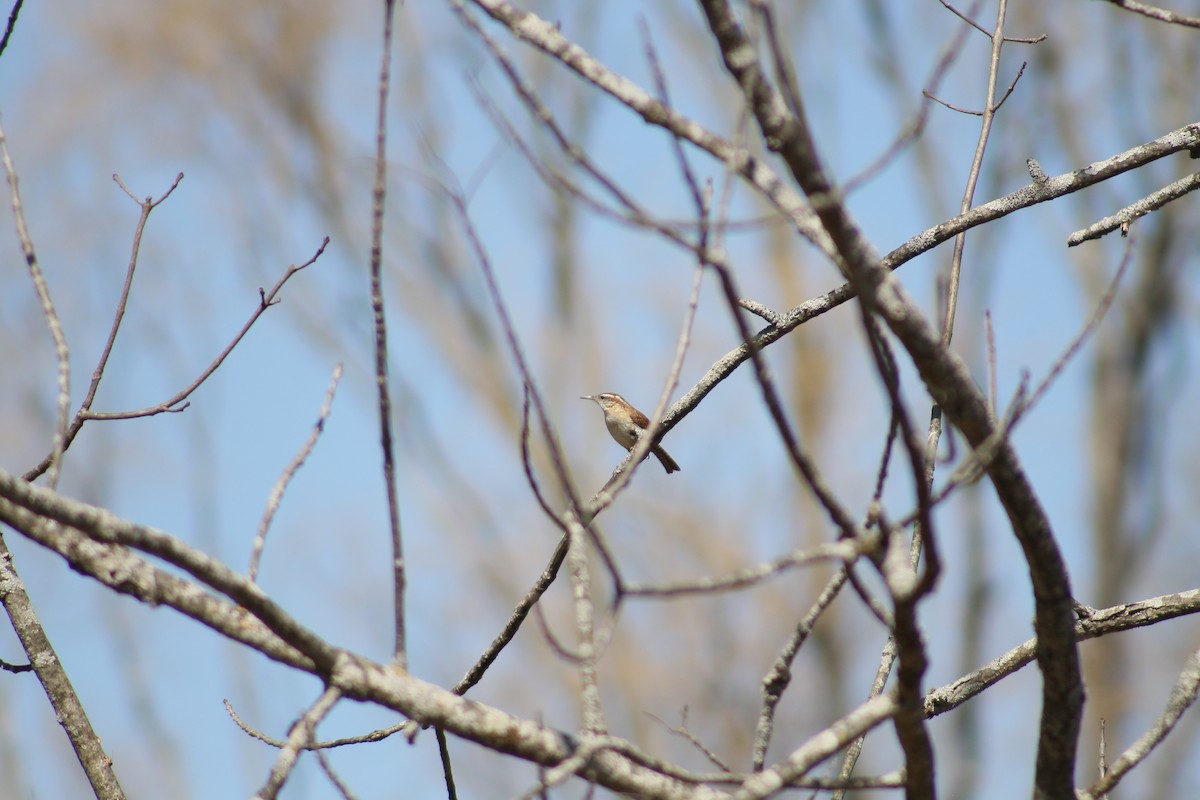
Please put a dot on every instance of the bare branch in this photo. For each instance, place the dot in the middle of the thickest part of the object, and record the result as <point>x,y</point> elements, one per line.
<point>12,23</point>
<point>173,405</point>
<point>527,463</point>
<point>299,738</point>
<point>147,205</point>
<point>1102,622</point>
<point>984,31</point>
<point>1160,14</point>
<point>951,385</point>
<point>281,485</point>
<point>776,681</point>
<point>379,195</point>
<point>546,36</point>
<point>34,510</point>
<point>1141,208</point>
<point>682,731</point>
<point>581,593</point>
<point>69,710</point>
<point>862,719</point>
<point>359,678</point>
<point>52,673</point>
<point>374,736</point>
<point>447,772</point>
<point>515,619</point>
<point>846,551</point>
<point>52,321</point>
<point>1183,695</point>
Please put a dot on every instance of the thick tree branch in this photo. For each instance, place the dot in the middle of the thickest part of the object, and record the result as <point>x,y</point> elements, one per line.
<point>951,385</point>
<point>68,710</point>
<point>34,511</point>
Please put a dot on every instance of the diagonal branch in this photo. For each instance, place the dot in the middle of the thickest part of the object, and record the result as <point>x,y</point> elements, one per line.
<point>1183,695</point>
<point>546,36</point>
<point>61,353</point>
<point>1122,218</point>
<point>1097,623</point>
<point>1160,14</point>
<point>68,709</point>
<point>24,505</point>
<point>949,382</point>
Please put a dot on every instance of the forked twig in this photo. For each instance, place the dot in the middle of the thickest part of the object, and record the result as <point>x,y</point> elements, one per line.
<point>177,403</point>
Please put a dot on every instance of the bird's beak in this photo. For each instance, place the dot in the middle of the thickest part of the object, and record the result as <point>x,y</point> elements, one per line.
<point>587,397</point>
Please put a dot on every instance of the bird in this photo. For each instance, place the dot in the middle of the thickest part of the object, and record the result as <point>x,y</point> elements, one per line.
<point>626,424</point>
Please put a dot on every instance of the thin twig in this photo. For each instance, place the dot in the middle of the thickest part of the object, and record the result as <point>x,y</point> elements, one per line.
<point>515,619</point>
<point>682,730</point>
<point>527,463</point>
<point>337,782</point>
<point>379,195</point>
<point>1089,327</point>
<point>758,309</point>
<point>447,771</point>
<point>61,352</point>
<point>916,125</point>
<point>845,551</point>
<point>459,202</point>
<point>276,496</point>
<point>968,197</point>
<point>299,737</point>
<point>12,23</point>
<point>776,681</point>
<point>175,404</point>
<point>803,759</point>
<point>147,205</point>
<point>547,37</point>
<point>984,31</point>
<point>14,668</point>
<point>330,744</point>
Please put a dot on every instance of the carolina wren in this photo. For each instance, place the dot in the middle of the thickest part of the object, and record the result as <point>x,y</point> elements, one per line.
<point>626,425</point>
